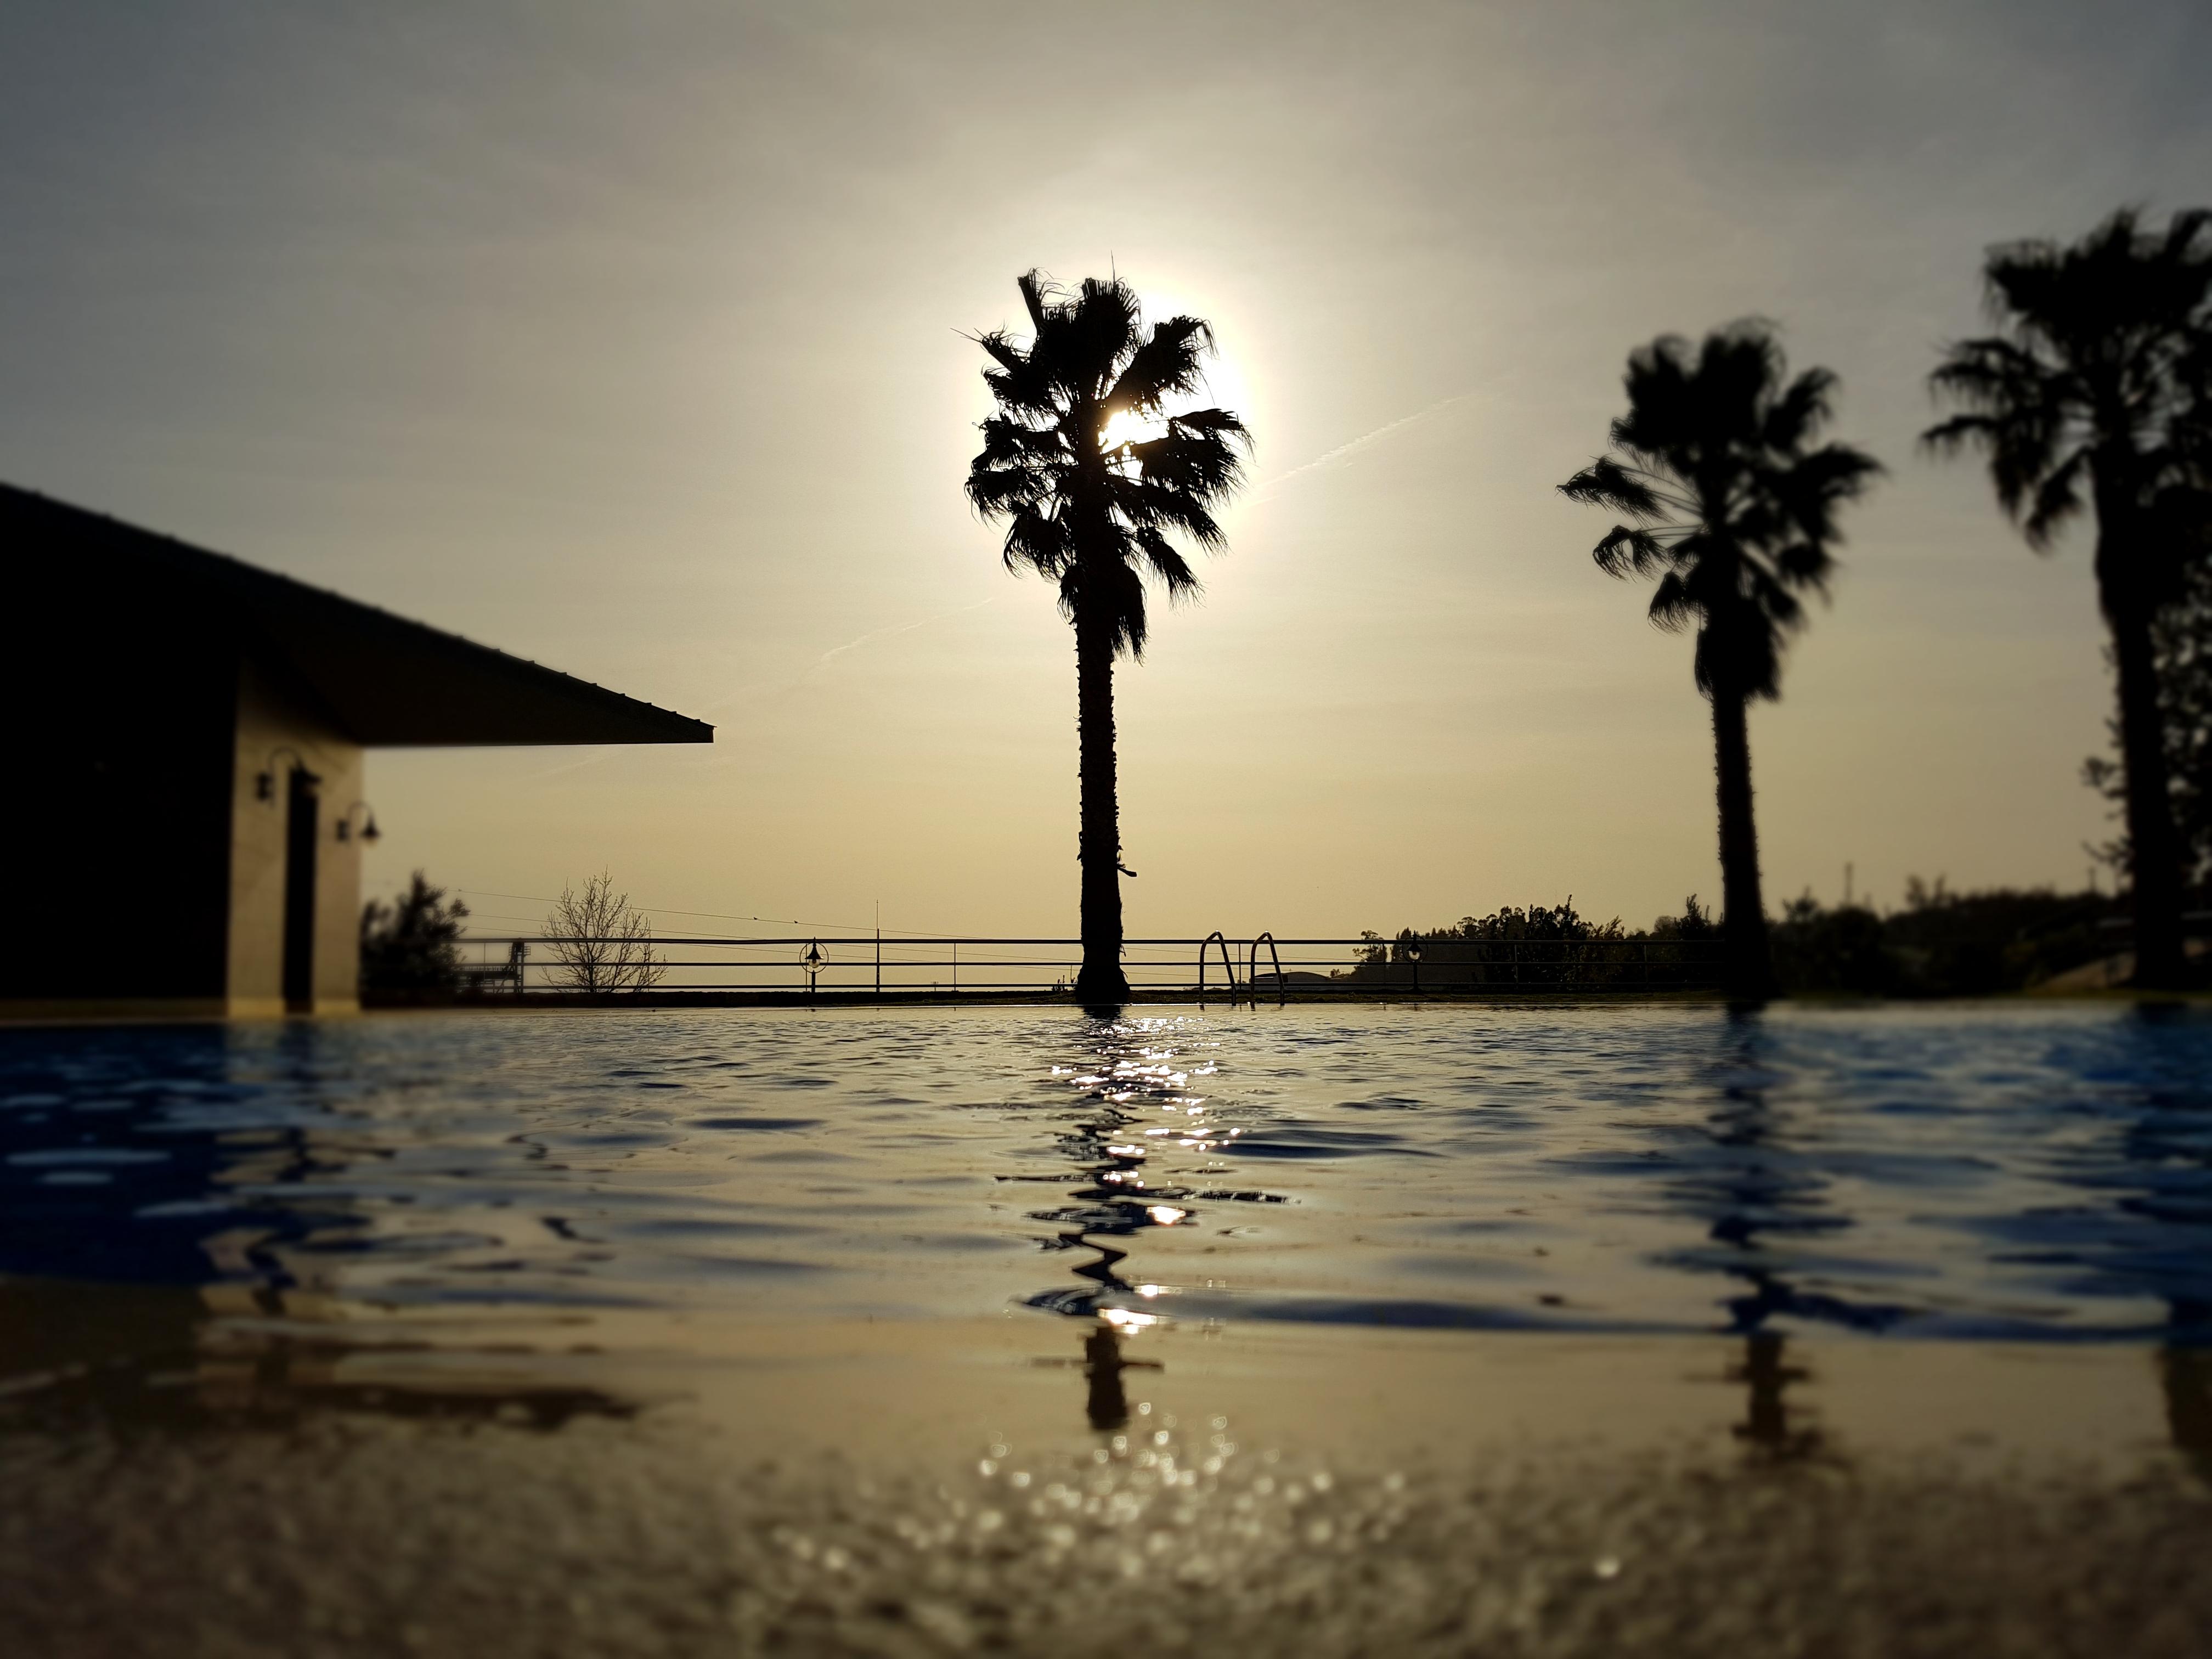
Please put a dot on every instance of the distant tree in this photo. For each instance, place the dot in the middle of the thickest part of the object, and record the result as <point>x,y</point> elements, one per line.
<point>412,944</point>
<point>1944,943</point>
<point>600,943</point>
<point>1839,950</point>
<point>2092,391</point>
<point>1734,510</point>
<point>1540,945</point>
<point>1093,510</point>
<point>1696,922</point>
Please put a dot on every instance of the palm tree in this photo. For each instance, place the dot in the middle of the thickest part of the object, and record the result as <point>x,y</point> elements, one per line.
<point>1736,513</point>
<point>2092,386</point>
<point>1093,511</point>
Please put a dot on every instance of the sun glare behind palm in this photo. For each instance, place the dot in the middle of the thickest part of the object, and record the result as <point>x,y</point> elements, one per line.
<point>1129,427</point>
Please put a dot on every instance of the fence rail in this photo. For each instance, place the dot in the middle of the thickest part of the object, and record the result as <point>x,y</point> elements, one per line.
<point>1263,967</point>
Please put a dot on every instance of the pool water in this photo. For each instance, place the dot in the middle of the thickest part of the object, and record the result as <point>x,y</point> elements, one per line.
<point>2000,1171</point>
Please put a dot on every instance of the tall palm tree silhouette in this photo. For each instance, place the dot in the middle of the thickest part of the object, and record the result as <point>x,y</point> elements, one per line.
<point>1734,512</point>
<point>1093,511</point>
<point>2096,383</point>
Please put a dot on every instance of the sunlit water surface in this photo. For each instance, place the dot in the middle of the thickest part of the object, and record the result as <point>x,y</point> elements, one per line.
<point>1999,1171</point>
<point>497,1225</point>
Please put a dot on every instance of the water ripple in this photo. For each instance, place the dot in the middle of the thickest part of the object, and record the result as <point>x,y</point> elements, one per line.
<point>1998,1170</point>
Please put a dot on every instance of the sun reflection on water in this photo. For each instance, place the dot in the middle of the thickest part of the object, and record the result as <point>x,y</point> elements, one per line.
<point>1127,1176</point>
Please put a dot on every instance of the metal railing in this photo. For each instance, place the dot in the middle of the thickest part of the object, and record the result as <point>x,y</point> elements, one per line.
<point>803,966</point>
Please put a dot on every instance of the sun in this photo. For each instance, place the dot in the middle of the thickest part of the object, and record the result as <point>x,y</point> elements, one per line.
<point>1225,386</point>
<point>1127,427</point>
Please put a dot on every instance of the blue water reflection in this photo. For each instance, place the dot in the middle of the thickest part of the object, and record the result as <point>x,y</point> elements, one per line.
<point>1999,1171</point>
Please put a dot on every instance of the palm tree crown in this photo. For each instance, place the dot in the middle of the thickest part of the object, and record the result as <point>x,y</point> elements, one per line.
<point>1092,514</point>
<point>2097,380</point>
<point>1726,501</point>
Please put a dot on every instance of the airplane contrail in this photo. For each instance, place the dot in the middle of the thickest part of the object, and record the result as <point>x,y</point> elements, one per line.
<point>1344,452</point>
<point>827,657</point>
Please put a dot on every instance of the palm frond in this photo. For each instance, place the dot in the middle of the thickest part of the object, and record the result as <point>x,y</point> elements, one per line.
<point>1014,443</point>
<point>1672,608</point>
<point>1167,507</point>
<point>1168,363</point>
<point>1605,482</point>
<point>1192,457</point>
<point>1629,549</point>
<point>1795,418</point>
<point>2056,499</point>
<point>1107,594</point>
<point>1166,563</point>
<point>1037,541</point>
<point>1805,565</point>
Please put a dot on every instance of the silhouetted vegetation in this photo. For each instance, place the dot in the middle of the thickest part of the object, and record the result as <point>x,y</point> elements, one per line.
<point>600,942</point>
<point>2095,392</point>
<point>1940,943</point>
<point>1735,513</point>
<point>2002,938</point>
<point>1092,510</point>
<point>411,945</point>
<point>1945,944</point>
<point>1539,948</point>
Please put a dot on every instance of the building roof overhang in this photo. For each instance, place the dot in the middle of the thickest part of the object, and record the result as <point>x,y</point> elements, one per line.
<point>387,681</point>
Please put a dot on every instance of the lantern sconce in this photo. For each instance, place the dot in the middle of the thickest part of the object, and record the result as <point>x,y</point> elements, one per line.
<point>369,832</point>
<point>264,783</point>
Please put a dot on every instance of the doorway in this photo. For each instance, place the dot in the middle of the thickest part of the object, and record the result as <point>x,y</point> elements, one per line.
<point>301,841</point>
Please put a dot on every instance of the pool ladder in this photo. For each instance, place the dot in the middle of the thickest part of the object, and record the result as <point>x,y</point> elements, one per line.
<point>1248,993</point>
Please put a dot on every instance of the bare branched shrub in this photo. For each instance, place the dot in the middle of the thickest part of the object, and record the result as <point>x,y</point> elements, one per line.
<point>601,944</point>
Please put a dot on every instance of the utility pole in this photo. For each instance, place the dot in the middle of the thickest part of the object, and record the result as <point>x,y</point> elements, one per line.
<point>879,950</point>
<point>955,967</point>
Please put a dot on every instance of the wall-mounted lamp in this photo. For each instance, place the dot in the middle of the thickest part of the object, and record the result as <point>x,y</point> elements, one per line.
<point>369,832</point>
<point>264,784</point>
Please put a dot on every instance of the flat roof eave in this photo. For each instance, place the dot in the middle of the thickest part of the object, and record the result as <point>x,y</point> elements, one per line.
<point>389,682</point>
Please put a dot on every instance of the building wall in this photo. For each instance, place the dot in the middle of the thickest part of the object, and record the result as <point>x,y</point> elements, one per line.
<point>115,815</point>
<point>278,728</point>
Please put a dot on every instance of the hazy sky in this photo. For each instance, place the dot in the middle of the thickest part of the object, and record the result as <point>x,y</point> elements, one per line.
<point>630,338</point>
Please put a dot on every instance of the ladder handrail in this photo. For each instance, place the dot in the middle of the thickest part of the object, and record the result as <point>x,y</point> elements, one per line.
<point>1228,966</point>
<point>1252,971</point>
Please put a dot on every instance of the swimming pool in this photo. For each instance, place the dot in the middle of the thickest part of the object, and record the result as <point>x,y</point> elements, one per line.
<point>2002,1171</point>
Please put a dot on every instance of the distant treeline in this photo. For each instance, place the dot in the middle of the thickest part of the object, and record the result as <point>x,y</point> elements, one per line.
<point>1941,943</point>
<point>1540,947</point>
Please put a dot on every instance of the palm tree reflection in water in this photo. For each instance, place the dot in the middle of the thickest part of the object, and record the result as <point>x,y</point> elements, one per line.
<point>1107,1405</point>
<point>1765,1427</point>
<point>2185,1375</point>
<point>1757,1193</point>
<point>1132,1079</point>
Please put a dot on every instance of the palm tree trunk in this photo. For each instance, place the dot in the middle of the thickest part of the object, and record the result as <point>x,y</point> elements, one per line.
<point>2154,851</point>
<point>1101,983</point>
<point>1743,910</point>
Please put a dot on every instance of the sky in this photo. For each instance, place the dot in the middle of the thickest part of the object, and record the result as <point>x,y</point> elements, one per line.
<point>637,340</point>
